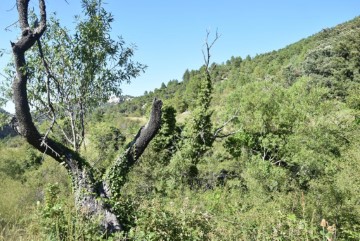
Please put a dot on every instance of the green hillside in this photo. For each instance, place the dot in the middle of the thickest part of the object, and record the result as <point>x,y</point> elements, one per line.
<point>269,150</point>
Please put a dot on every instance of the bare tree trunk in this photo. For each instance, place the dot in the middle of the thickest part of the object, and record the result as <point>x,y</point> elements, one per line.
<point>91,196</point>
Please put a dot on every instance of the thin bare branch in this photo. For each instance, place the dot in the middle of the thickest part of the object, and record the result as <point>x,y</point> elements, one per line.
<point>220,128</point>
<point>206,52</point>
<point>48,76</point>
<point>44,143</point>
<point>64,134</point>
<point>44,139</point>
<point>8,27</point>
<point>12,8</point>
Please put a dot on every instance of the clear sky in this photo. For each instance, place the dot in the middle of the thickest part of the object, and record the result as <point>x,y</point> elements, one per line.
<point>169,34</point>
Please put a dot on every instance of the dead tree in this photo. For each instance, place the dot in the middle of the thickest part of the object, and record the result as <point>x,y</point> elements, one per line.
<point>92,197</point>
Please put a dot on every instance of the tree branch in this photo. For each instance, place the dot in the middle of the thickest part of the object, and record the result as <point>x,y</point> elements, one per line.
<point>8,27</point>
<point>208,47</point>
<point>22,6</point>
<point>147,133</point>
<point>117,174</point>
<point>25,124</point>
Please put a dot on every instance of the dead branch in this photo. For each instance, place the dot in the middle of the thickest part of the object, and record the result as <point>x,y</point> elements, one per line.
<point>206,53</point>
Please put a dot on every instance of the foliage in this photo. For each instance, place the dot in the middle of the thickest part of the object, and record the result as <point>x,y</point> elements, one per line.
<point>71,73</point>
<point>59,220</point>
<point>284,170</point>
<point>107,140</point>
<point>289,171</point>
<point>155,222</point>
<point>3,118</point>
<point>164,144</point>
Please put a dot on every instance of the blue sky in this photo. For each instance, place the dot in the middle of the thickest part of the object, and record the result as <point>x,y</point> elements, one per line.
<point>170,34</point>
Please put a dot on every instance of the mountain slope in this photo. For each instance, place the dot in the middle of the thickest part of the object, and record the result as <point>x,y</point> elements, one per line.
<point>287,167</point>
<point>5,129</point>
<point>307,57</point>
<point>290,171</point>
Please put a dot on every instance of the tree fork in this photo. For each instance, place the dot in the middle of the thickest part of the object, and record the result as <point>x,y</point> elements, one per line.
<point>90,195</point>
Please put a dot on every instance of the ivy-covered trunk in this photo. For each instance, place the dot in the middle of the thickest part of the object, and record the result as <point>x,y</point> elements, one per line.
<point>91,201</point>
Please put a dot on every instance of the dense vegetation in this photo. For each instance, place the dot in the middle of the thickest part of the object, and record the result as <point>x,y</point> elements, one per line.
<point>284,166</point>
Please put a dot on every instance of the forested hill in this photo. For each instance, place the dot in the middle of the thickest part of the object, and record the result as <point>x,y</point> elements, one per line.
<point>322,58</point>
<point>288,165</point>
<point>267,148</point>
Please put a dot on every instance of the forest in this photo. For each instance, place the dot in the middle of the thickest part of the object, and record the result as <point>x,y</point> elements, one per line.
<point>258,148</point>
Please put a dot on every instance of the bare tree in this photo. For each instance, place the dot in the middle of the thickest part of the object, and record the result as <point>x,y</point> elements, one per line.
<point>93,197</point>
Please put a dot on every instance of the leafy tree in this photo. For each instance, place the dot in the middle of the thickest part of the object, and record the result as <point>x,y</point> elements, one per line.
<point>82,70</point>
<point>81,60</point>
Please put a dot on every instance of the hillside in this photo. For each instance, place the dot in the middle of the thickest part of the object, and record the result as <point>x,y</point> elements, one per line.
<point>284,66</point>
<point>5,129</point>
<point>275,156</point>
